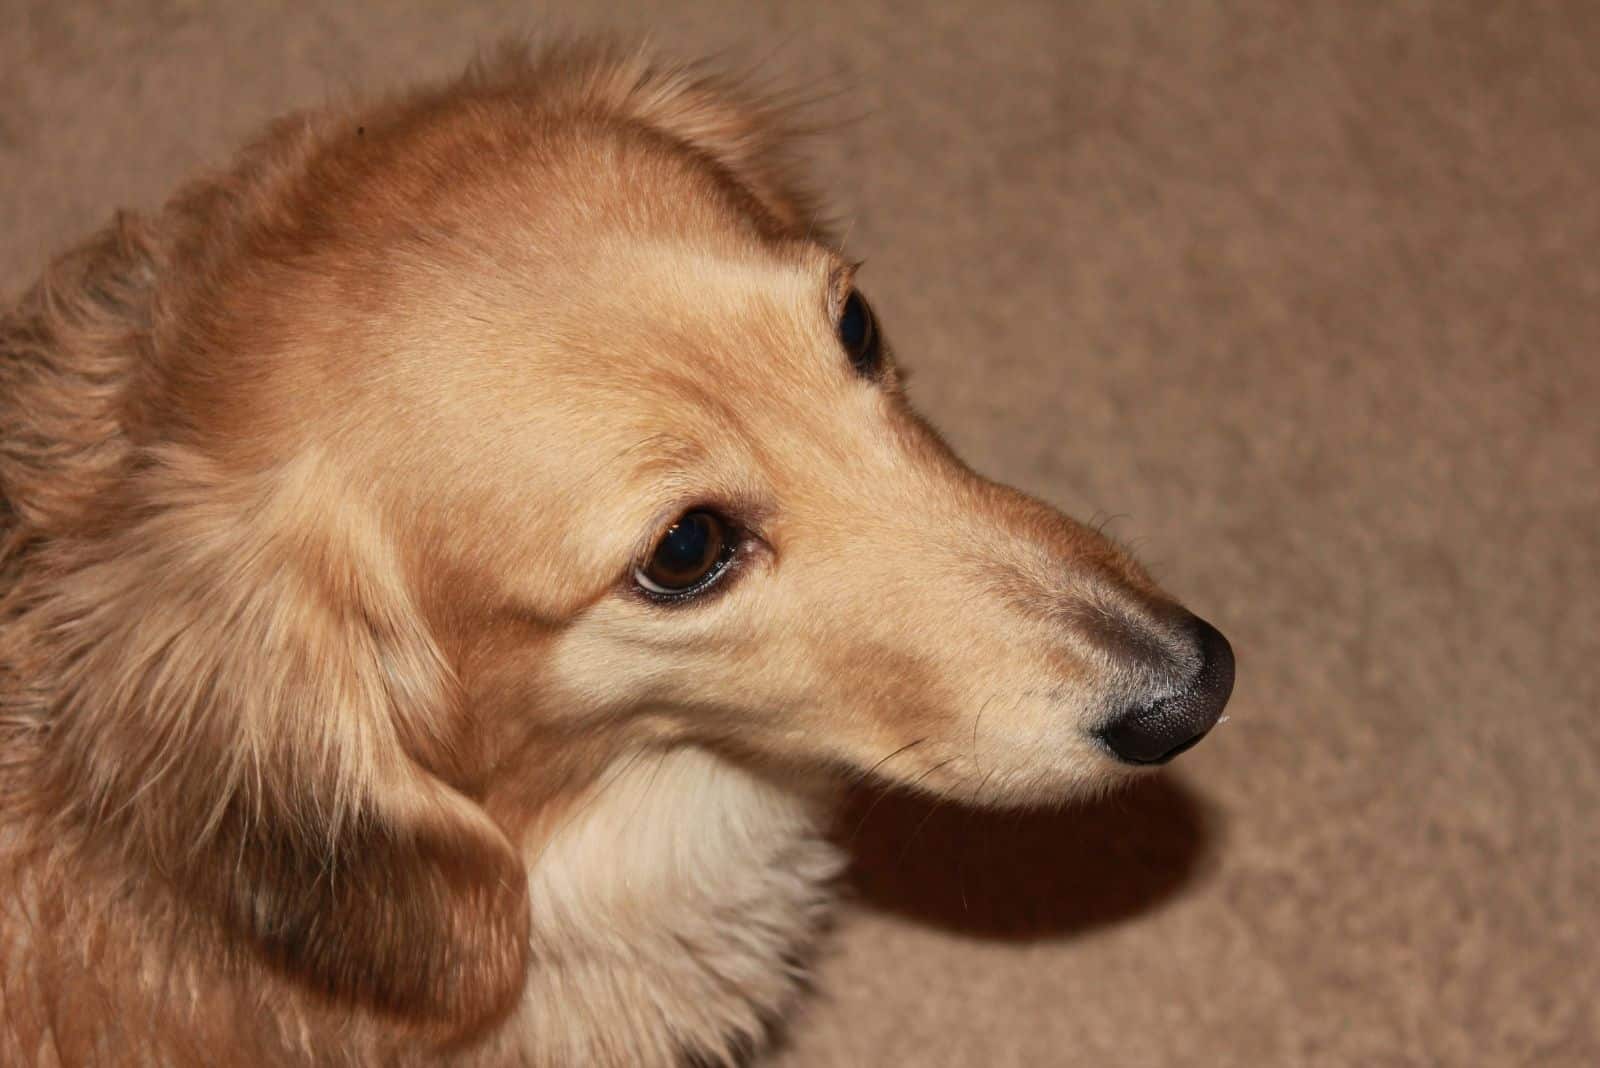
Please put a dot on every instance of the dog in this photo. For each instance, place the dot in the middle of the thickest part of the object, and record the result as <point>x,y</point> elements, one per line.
<point>450,563</point>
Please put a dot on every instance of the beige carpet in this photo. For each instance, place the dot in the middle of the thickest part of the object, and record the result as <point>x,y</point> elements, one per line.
<point>1308,296</point>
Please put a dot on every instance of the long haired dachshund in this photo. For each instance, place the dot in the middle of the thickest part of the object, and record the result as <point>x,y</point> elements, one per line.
<point>451,560</point>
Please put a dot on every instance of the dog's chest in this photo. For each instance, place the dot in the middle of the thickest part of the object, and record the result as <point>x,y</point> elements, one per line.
<point>673,910</point>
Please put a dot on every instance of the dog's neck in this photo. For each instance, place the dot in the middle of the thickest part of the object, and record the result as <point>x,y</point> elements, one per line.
<point>674,904</point>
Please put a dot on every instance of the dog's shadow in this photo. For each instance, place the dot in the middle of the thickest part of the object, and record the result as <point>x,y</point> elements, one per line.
<point>1027,875</point>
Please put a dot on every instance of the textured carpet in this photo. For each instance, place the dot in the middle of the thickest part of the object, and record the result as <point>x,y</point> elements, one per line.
<point>1307,297</point>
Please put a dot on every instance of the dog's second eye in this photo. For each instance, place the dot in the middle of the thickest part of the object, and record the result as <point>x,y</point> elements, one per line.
<point>688,558</point>
<point>858,333</point>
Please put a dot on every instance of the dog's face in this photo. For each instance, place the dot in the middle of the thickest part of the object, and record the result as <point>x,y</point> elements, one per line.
<point>691,463</point>
<point>481,438</point>
<point>656,460</point>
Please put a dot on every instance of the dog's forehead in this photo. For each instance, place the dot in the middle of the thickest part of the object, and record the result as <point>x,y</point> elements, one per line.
<point>633,314</point>
<point>604,252</point>
<point>667,358</point>
<point>654,374</point>
<point>608,314</point>
<point>548,192</point>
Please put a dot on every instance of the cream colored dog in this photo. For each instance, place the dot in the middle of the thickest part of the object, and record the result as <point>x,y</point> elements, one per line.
<point>448,563</point>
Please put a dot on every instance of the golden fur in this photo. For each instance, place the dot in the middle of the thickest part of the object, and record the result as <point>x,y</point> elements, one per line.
<point>330,729</point>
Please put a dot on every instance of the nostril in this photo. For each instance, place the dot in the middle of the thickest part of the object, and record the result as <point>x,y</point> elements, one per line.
<point>1158,731</point>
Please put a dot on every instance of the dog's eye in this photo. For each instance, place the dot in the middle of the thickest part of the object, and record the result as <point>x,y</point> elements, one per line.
<point>858,333</point>
<point>688,558</point>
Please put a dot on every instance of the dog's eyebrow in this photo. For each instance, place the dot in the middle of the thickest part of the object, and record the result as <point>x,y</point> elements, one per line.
<point>841,280</point>
<point>663,451</point>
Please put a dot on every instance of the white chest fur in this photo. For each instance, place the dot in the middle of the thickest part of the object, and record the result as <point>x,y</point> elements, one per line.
<point>673,910</point>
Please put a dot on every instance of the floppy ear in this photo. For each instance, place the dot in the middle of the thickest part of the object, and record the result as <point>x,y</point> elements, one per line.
<point>245,700</point>
<point>748,135</point>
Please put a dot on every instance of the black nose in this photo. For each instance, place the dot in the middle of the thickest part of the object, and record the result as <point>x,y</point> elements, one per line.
<point>1157,732</point>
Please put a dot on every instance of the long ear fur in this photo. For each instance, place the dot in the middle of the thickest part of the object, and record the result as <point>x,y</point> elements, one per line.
<point>243,700</point>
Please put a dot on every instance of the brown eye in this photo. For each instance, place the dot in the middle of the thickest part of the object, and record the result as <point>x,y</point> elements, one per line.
<point>689,557</point>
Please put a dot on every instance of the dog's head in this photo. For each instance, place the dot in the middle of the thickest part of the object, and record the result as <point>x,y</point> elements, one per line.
<point>495,431</point>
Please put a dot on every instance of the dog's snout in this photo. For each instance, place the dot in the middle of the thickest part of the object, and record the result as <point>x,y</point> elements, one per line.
<point>1155,731</point>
